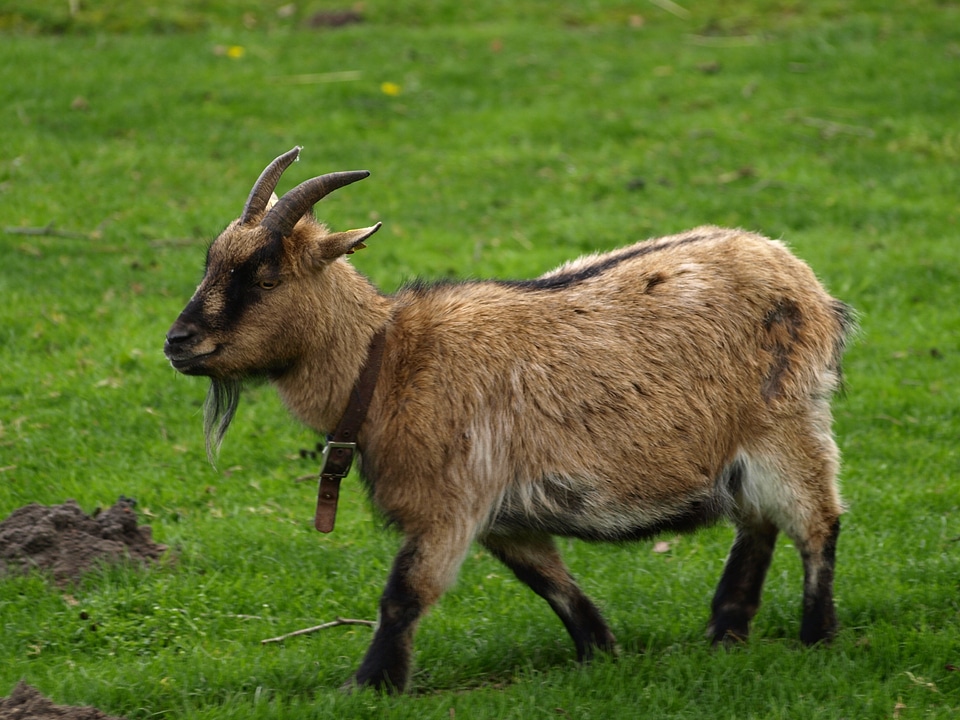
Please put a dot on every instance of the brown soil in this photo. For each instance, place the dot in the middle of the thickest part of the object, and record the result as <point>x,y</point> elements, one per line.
<point>65,542</point>
<point>26,703</point>
<point>335,18</point>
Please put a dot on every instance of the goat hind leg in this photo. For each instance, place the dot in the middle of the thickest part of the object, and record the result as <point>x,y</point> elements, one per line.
<point>819,622</point>
<point>814,526</point>
<point>535,561</point>
<point>738,594</point>
<point>796,486</point>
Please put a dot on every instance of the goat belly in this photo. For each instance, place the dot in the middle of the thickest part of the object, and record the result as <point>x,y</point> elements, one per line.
<point>575,509</point>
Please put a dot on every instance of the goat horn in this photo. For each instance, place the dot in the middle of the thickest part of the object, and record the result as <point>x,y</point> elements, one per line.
<point>264,186</point>
<point>297,202</point>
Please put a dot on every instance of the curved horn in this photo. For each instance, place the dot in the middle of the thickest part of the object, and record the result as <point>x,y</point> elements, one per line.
<point>264,186</point>
<point>297,202</point>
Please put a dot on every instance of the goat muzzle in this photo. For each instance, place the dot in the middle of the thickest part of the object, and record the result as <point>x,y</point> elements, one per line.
<point>184,350</point>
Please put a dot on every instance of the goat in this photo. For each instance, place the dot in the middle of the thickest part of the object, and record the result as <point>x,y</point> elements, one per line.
<point>658,387</point>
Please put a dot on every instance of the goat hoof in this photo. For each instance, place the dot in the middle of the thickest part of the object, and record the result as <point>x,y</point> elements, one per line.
<point>727,635</point>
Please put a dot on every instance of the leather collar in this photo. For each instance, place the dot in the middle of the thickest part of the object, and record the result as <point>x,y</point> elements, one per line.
<point>342,444</point>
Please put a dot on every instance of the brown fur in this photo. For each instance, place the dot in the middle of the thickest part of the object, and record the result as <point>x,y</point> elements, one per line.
<point>661,386</point>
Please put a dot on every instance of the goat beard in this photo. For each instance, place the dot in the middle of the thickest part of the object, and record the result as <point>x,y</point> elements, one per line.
<point>218,411</point>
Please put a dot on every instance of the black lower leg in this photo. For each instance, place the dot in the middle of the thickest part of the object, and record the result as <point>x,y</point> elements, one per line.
<point>738,594</point>
<point>819,621</point>
<point>586,626</point>
<point>579,615</point>
<point>386,665</point>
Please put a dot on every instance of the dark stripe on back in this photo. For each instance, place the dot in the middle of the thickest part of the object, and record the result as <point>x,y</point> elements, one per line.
<point>568,279</point>
<point>560,281</point>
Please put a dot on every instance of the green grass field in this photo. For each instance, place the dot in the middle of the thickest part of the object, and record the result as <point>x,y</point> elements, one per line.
<point>502,138</point>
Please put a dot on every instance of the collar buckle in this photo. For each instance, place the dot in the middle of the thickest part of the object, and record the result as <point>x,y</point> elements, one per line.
<point>337,458</point>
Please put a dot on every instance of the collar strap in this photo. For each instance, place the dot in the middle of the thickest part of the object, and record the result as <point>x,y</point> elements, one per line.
<point>342,445</point>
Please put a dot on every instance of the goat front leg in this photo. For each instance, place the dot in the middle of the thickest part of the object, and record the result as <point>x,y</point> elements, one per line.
<point>536,562</point>
<point>423,569</point>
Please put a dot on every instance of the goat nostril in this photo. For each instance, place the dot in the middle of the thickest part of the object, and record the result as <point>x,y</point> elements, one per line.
<point>180,333</point>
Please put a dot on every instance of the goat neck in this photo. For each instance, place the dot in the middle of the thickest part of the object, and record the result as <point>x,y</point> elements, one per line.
<point>316,387</point>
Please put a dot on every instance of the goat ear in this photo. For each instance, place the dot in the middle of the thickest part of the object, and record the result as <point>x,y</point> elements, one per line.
<point>272,201</point>
<point>337,244</point>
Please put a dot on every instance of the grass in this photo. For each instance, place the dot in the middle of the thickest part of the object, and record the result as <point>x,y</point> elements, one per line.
<point>503,138</point>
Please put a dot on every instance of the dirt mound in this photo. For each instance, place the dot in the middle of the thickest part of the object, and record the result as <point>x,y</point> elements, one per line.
<point>64,541</point>
<point>26,703</point>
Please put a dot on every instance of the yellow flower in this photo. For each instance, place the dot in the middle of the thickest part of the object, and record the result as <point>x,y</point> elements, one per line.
<point>235,51</point>
<point>391,89</point>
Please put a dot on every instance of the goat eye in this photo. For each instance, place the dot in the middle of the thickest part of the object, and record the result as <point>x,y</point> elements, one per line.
<point>267,284</point>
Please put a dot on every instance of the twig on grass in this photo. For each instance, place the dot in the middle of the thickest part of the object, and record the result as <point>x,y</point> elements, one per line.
<point>724,41</point>
<point>175,242</point>
<point>315,628</point>
<point>830,129</point>
<point>922,682</point>
<point>51,230</point>
<point>672,8</point>
<point>319,78</point>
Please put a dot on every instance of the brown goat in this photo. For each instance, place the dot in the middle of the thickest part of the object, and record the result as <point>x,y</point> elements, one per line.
<point>658,387</point>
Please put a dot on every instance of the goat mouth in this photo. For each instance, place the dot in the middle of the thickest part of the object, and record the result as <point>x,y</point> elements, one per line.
<point>189,364</point>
